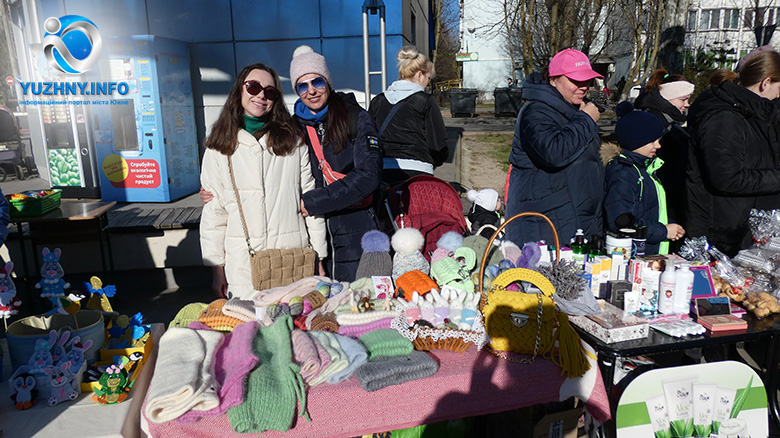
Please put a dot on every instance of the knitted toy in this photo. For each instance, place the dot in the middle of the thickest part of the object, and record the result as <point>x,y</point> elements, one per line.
<point>407,243</point>
<point>415,281</point>
<point>375,260</point>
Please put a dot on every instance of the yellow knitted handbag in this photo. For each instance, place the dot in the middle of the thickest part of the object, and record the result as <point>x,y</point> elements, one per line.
<point>529,323</point>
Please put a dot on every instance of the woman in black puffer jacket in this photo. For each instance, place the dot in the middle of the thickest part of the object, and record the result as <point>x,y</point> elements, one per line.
<point>734,159</point>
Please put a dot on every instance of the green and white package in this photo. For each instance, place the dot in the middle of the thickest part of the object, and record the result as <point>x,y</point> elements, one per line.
<point>679,403</point>
<point>703,409</point>
<point>659,417</point>
<point>724,399</point>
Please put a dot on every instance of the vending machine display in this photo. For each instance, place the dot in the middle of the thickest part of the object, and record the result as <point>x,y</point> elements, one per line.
<point>68,151</point>
<point>145,140</point>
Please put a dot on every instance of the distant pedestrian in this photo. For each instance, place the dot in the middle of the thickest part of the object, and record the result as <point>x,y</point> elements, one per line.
<point>621,84</point>
<point>510,83</point>
<point>556,166</point>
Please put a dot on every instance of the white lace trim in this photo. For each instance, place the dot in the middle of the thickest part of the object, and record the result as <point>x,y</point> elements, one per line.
<point>476,335</point>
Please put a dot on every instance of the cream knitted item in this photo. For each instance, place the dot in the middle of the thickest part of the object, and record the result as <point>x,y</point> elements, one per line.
<point>184,374</point>
<point>240,309</point>
<point>348,318</point>
<point>338,359</point>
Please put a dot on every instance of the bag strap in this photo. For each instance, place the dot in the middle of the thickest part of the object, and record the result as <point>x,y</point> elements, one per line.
<point>240,210</point>
<point>328,173</point>
<point>390,117</point>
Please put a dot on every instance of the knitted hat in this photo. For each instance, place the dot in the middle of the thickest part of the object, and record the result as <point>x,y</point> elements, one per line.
<point>240,309</point>
<point>189,313</point>
<point>274,387</point>
<point>325,322</point>
<point>407,243</point>
<point>478,244</point>
<point>305,354</point>
<point>232,363</point>
<point>376,255</point>
<point>414,281</point>
<point>440,253</point>
<point>485,198</point>
<point>451,240</point>
<point>445,271</point>
<point>386,342</point>
<point>676,89</point>
<point>306,61</point>
<point>356,356</point>
<point>636,128</point>
<point>213,317</point>
<point>385,371</point>
<point>356,331</point>
<point>511,251</point>
<point>338,359</point>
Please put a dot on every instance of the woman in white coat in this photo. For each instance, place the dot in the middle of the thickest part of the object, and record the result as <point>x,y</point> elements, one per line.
<point>257,136</point>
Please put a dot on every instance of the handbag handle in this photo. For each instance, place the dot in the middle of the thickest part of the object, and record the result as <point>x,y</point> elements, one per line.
<point>240,210</point>
<point>501,228</point>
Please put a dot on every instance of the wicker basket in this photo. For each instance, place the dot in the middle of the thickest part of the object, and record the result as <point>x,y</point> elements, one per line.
<point>442,339</point>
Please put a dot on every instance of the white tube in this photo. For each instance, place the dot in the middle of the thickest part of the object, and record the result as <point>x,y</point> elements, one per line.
<point>703,408</point>
<point>659,417</point>
<point>679,402</point>
<point>724,400</point>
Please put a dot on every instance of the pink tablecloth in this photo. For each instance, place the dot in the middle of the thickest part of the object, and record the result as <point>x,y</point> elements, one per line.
<point>469,384</point>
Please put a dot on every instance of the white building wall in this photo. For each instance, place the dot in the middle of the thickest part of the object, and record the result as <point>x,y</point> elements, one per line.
<point>480,34</point>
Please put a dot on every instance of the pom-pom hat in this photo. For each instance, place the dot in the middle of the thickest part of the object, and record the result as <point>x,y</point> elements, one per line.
<point>573,64</point>
<point>305,60</point>
<point>407,243</point>
<point>485,198</point>
<point>635,129</point>
<point>376,256</point>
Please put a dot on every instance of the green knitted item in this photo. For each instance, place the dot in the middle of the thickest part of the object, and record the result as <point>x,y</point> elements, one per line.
<point>187,314</point>
<point>386,342</point>
<point>274,387</point>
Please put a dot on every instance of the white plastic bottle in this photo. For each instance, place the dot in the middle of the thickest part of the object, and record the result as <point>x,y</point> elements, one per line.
<point>683,290</point>
<point>666,291</point>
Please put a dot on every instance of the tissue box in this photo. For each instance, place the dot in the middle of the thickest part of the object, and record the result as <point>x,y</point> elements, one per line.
<point>613,324</point>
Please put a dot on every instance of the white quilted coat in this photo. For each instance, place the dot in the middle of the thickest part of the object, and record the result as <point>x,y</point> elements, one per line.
<point>270,189</point>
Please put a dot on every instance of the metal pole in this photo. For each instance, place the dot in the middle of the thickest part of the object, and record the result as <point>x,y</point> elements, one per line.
<point>366,72</point>
<point>383,47</point>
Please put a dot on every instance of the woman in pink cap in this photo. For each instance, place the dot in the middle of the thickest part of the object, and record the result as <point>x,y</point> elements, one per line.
<point>556,167</point>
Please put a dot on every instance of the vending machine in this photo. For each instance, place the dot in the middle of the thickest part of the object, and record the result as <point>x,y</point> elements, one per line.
<point>145,140</point>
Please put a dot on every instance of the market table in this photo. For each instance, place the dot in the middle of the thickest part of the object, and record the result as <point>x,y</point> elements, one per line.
<point>469,384</point>
<point>759,330</point>
<point>81,418</point>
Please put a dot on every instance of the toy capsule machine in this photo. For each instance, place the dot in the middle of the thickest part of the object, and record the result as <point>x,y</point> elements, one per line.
<point>145,140</point>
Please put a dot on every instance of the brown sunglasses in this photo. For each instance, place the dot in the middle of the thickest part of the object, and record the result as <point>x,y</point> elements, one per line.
<point>254,88</point>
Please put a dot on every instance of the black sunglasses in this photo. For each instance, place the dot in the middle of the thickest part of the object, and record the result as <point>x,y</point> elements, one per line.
<point>254,88</point>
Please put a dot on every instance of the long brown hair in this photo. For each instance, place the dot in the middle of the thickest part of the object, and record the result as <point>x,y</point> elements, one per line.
<point>760,66</point>
<point>283,135</point>
<point>337,132</point>
<point>660,77</point>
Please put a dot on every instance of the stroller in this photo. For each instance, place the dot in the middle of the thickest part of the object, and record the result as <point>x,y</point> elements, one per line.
<point>429,204</point>
<point>11,147</point>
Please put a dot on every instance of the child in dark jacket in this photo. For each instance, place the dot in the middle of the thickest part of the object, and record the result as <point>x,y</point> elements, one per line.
<point>484,211</point>
<point>630,185</point>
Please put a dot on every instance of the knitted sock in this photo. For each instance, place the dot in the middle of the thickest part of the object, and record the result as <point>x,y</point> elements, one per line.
<point>213,317</point>
<point>338,359</point>
<point>356,331</point>
<point>184,374</point>
<point>274,386</point>
<point>233,362</point>
<point>305,354</point>
<point>377,374</point>
<point>356,356</point>
<point>187,314</point>
<point>386,342</point>
<point>240,309</point>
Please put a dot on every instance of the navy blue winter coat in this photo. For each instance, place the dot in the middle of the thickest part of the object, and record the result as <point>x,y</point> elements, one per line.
<point>361,162</point>
<point>556,167</point>
<point>629,189</point>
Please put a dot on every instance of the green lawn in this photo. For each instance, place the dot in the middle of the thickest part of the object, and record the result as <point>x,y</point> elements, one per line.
<point>502,144</point>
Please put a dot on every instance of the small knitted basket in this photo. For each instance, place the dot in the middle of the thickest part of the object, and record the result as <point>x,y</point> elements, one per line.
<point>442,339</point>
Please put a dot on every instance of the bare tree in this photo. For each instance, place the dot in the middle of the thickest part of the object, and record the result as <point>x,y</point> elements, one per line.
<point>645,19</point>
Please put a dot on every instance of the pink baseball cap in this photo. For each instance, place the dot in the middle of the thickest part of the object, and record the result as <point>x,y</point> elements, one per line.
<point>573,64</point>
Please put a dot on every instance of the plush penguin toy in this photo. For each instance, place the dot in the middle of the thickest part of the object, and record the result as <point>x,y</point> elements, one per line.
<point>24,391</point>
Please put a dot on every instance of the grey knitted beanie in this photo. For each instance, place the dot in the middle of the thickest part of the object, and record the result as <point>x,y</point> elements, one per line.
<point>385,371</point>
<point>376,256</point>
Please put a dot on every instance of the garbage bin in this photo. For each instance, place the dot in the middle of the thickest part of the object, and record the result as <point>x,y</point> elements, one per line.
<point>508,101</point>
<point>463,102</point>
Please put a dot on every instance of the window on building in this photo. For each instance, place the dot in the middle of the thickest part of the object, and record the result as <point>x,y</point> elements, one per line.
<point>704,19</point>
<point>748,23</point>
<point>760,15</point>
<point>715,19</point>
<point>414,30</point>
<point>691,20</point>
<point>769,18</point>
<point>731,19</point>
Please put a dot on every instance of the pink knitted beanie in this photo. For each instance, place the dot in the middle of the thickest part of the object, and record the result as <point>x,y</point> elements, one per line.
<point>306,60</point>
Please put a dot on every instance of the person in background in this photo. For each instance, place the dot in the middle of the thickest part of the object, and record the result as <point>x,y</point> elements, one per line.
<point>630,185</point>
<point>556,166</point>
<point>346,160</point>
<point>621,84</point>
<point>666,97</point>
<point>734,157</point>
<point>485,210</point>
<point>254,149</point>
<point>510,83</point>
<point>411,127</point>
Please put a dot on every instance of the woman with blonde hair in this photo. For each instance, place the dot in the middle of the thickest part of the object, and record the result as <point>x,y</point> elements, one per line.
<point>255,151</point>
<point>734,161</point>
<point>409,121</point>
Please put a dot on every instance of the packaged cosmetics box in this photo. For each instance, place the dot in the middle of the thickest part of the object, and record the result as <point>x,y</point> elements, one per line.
<point>613,324</point>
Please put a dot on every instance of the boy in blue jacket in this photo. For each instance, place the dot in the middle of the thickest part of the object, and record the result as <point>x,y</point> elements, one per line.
<point>630,185</point>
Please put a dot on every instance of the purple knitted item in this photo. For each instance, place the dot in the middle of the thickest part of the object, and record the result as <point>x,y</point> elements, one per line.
<point>356,331</point>
<point>233,362</point>
<point>305,354</point>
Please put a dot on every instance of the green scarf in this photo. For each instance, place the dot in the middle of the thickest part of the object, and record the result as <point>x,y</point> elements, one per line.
<point>254,124</point>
